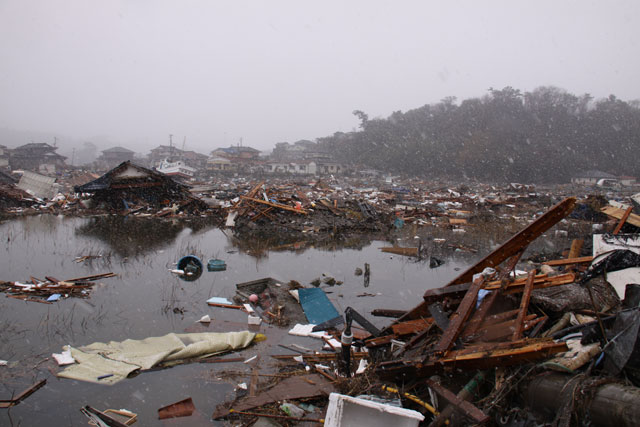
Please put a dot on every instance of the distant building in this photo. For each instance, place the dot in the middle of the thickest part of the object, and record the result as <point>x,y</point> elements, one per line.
<point>129,184</point>
<point>295,168</point>
<point>112,157</point>
<point>303,168</point>
<point>170,153</point>
<point>39,157</point>
<point>627,181</point>
<point>591,177</point>
<point>220,164</point>
<point>237,153</point>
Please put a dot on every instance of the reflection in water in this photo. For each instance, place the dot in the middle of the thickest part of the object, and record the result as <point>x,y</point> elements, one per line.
<point>259,245</point>
<point>130,237</point>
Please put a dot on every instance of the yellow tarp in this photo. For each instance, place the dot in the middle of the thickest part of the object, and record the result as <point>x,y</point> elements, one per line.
<point>119,359</point>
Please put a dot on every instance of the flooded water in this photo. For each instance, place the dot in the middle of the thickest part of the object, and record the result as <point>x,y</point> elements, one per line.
<point>146,300</point>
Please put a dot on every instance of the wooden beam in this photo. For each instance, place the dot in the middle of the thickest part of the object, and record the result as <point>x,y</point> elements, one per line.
<point>524,306</point>
<point>520,240</point>
<point>400,251</point>
<point>618,213</point>
<point>411,326</point>
<point>576,247</point>
<point>481,356</point>
<point>467,408</point>
<point>488,302</point>
<point>623,220</point>
<point>508,249</point>
<point>275,205</point>
<point>457,320</point>
<point>569,261</point>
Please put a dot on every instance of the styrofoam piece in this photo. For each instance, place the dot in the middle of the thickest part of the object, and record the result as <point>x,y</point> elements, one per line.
<point>362,366</point>
<point>205,319</point>
<point>350,411</point>
<point>64,358</point>
<point>254,320</point>
<point>301,330</point>
<point>219,300</point>
<point>334,342</point>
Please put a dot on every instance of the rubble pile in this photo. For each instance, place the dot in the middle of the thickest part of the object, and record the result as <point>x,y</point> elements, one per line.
<point>480,349</point>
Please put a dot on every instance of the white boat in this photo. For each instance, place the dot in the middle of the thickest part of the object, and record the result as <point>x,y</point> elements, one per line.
<point>176,169</point>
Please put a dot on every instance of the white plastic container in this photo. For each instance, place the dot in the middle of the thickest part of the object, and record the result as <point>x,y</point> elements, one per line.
<point>353,412</point>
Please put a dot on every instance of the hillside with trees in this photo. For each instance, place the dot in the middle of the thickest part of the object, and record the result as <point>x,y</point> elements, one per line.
<point>544,136</point>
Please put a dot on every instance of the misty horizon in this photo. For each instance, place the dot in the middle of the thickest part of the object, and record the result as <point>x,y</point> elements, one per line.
<point>129,74</point>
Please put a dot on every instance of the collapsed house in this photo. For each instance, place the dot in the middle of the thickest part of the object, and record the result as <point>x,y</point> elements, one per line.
<point>129,186</point>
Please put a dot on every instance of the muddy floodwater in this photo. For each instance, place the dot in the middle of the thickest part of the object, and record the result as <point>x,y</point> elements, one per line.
<point>146,300</point>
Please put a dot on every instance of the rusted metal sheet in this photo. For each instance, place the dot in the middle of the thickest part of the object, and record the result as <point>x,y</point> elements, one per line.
<point>456,322</point>
<point>465,407</point>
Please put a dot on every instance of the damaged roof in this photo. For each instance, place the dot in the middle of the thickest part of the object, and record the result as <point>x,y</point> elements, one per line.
<point>130,175</point>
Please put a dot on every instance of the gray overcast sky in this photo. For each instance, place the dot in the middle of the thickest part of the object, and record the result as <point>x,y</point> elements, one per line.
<point>272,71</point>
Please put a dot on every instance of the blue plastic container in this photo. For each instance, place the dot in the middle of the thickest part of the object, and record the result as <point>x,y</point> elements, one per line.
<point>216,265</point>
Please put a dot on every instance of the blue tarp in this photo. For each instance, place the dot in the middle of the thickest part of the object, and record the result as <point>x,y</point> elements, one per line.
<point>316,305</point>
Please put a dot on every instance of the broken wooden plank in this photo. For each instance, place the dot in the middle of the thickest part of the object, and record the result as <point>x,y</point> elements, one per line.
<point>295,387</point>
<point>568,261</point>
<point>618,213</point>
<point>401,251</point>
<point>500,331</point>
<point>275,205</point>
<point>480,356</point>
<point>506,250</point>
<point>524,306</point>
<point>319,356</point>
<point>576,247</point>
<point>474,324</point>
<point>457,320</point>
<point>23,395</point>
<point>622,220</point>
<point>481,312</point>
<point>520,240</point>
<point>438,294</point>
<point>412,326</point>
<point>467,408</point>
<point>383,312</point>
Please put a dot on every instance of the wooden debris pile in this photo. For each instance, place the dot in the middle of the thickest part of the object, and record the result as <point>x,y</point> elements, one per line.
<point>45,291</point>
<point>480,320</point>
<point>288,208</point>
